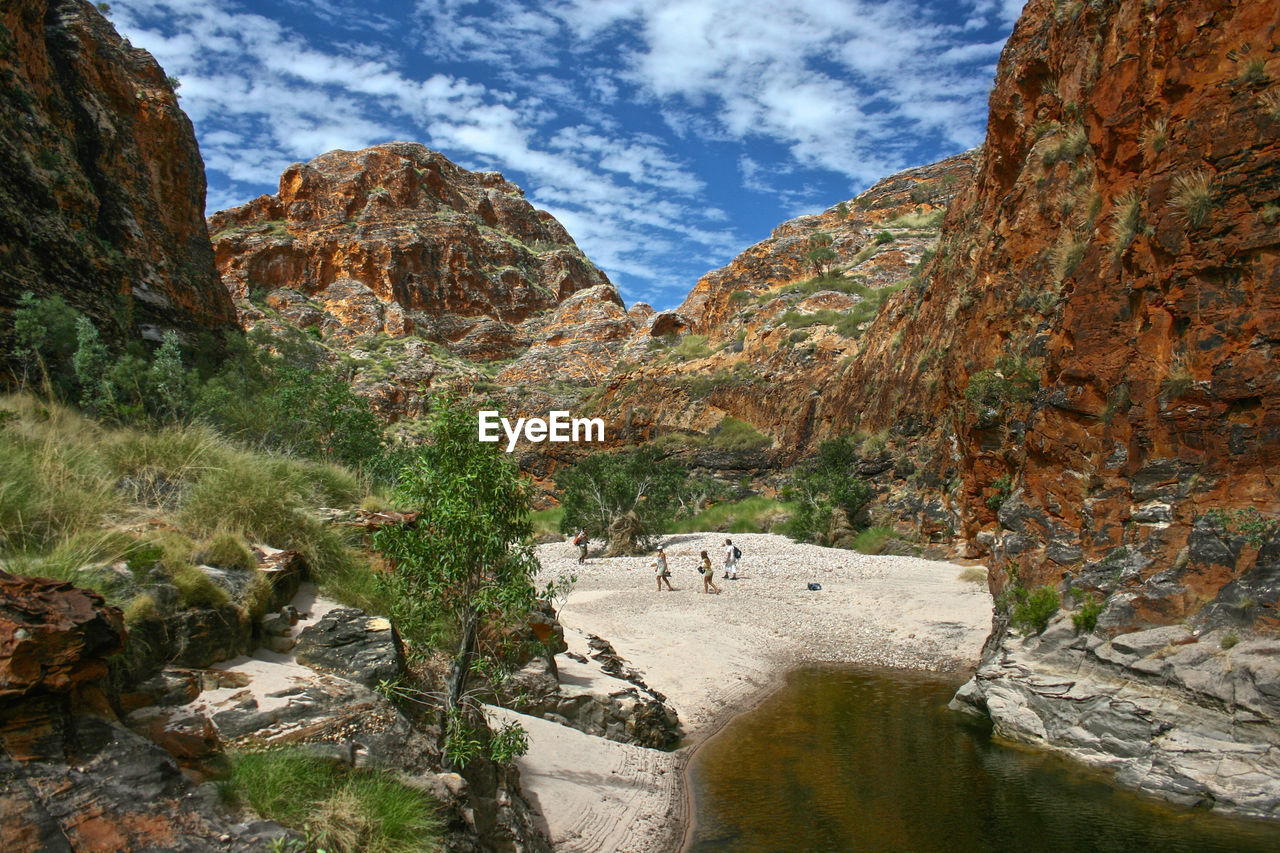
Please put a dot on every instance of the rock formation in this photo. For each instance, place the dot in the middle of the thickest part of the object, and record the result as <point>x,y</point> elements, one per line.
<point>396,239</point>
<point>101,183</point>
<point>1089,362</point>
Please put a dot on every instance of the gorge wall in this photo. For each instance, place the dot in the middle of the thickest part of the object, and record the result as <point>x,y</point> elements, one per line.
<point>1093,353</point>
<point>101,183</point>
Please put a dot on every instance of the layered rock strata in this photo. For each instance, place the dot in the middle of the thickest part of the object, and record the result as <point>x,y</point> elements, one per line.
<point>101,184</point>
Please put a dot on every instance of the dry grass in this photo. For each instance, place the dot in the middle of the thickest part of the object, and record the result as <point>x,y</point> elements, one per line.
<point>1126,221</point>
<point>1155,136</point>
<point>1192,198</point>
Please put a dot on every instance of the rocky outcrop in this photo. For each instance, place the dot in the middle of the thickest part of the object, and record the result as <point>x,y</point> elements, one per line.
<point>394,240</point>
<point>1186,715</point>
<point>71,777</point>
<point>619,707</point>
<point>101,183</point>
<point>754,339</point>
<point>364,649</point>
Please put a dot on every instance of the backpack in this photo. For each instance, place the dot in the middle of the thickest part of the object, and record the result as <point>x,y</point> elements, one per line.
<point>737,553</point>
<point>579,539</point>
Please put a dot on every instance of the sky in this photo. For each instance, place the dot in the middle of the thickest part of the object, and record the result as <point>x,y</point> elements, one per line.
<point>665,135</point>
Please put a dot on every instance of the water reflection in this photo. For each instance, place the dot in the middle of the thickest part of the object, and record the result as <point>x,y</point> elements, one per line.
<point>871,760</point>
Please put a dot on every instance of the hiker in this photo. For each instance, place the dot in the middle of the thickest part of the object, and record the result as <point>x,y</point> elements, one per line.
<point>731,555</point>
<point>708,575</point>
<point>581,541</point>
<point>664,574</point>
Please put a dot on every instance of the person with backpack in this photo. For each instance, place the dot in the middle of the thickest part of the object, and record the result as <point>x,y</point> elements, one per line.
<point>664,573</point>
<point>581,541</point>
<point>708,573</point>
<point>731,557</point>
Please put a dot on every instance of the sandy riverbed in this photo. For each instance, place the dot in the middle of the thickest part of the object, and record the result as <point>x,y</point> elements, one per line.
<point>716,655</point>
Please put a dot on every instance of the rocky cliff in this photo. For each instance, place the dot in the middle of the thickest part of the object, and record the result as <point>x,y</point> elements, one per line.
<point>1090,363</point>
<point>396,239</point>
<point>101,183</point>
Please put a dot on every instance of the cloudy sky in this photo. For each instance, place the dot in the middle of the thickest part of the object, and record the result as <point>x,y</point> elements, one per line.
<point>667,135</point>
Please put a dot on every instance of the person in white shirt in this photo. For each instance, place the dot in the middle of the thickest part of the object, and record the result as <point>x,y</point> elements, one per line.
<point>730,561</point>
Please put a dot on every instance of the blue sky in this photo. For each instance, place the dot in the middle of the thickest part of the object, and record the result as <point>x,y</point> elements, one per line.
<point>666,135</point>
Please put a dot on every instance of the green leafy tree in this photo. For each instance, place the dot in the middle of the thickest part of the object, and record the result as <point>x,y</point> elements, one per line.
<point>634,490</point>
<point>44,335</point>
<point>820,254</point>
<point>826,482</point>
<point>469,552</point>
<point>90,362</point>
<point>169,381</point>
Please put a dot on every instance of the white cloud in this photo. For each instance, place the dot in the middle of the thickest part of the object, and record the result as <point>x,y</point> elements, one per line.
<point>604,110</point>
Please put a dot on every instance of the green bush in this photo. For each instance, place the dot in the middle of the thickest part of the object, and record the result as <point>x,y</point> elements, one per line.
<point>737,436</point>
<point>1032,610</point>
<point>1085,619</point>
<point>756,514</point>
<point>825,482</point>
<point>1011,381</point>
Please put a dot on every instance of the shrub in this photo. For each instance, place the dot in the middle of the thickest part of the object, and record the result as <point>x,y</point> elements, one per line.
<point>1033,610</point>
<point>1085,619</point>
<point>1011,381</point>
<point>873,539</point>
<point>1254,72</point>
<point>1179,378</point>
<point>1003,486</point>
<point>1230,640</point>
<point>1067,255</point>
<point>756,514</point>
<point>1191,198</point>
<point>826,482</point>
<point>883,237</point>
<point>919,221</point>
<point>1156,135</point>
<point>737,436</point>
<point>973,574</point>
<point>141,609</point>
<point>691,347</point>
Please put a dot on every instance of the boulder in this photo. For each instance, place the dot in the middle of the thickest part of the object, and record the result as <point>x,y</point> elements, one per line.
<point>349,643</point>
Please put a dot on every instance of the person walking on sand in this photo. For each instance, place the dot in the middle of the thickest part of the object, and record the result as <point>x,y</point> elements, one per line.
<point>664,574</point>
<point>581,541</point>
<point>708,575</point>
<point>730,560</point>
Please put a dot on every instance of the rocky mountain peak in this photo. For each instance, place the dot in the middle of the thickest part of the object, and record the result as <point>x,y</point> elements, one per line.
<point>397,239</point>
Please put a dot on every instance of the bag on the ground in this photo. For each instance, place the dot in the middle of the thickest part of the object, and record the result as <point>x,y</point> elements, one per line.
<point>814,587</point>
<point>737,553</point>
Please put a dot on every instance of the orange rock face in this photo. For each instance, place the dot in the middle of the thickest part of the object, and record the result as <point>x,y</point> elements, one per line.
<point>757,338</point>
<point>1093,351</point>
<point>101,183</point>
<point>396,239</point>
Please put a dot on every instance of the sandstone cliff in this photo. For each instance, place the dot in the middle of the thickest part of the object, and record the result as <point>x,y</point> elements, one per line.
<point>1090,362</point>
<point>101,183</point>
<point>396,239</point>
<point>756,339</point>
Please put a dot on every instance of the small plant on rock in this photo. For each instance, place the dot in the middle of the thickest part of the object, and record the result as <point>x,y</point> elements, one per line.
<point>1032,610</point>
<point>1191,198</point>
<point>1085,619</point>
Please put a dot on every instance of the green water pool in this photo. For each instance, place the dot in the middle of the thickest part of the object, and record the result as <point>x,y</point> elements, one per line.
<point>871,760</point>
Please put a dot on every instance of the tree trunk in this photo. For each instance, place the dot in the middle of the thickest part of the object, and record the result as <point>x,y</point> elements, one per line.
<point>457,683</point>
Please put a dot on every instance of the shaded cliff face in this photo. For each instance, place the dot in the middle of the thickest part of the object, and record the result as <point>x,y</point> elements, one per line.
<point>101,183</point>
<point>397,240</point>
<point>1094,348</point>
